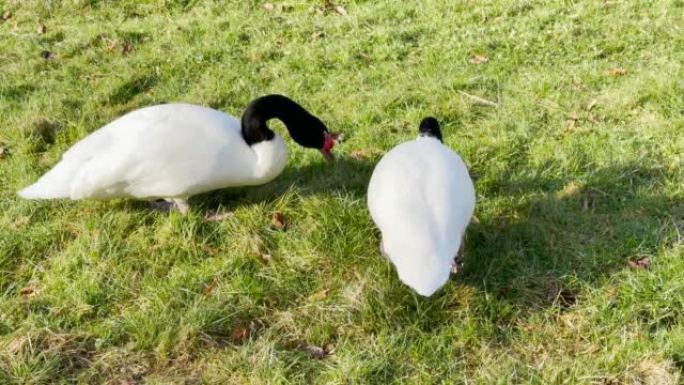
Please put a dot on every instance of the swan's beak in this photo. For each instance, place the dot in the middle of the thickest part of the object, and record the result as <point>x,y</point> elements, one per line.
<point>326,151</point>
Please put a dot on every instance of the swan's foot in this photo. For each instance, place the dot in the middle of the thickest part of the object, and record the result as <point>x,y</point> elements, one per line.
<point>457,265</point>
<point>170,204</point>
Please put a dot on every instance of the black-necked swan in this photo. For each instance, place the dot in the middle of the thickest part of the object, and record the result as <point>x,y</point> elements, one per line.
<point>174,151</point>
<point>421,198</point>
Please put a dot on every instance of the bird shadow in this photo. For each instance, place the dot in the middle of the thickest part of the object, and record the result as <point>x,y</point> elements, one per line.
<point>557,234</point>
<point>345,175</point>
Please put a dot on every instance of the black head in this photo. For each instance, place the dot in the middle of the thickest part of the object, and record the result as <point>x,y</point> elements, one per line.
<point>430,127</point>
<point>305,129</point>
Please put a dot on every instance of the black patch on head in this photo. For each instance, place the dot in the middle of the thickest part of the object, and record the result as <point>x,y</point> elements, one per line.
<point>430,127</point>
<point>304,128</point>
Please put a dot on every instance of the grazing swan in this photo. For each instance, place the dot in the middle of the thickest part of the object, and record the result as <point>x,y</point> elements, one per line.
<point>421,198</point>
<point>174,151</point>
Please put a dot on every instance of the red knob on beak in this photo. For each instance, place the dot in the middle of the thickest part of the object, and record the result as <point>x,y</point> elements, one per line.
<point>328,146</point>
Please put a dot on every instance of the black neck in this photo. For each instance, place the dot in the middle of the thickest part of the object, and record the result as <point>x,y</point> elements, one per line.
<point>261,110</point>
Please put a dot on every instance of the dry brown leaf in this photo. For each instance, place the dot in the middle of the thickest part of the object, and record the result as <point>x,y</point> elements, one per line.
<point>573,116</point>
<point>126,48</point>
<point>478,59</point>
<point>503,222</point>
<point>318,352</point>
<point>278,221</point>
<point>340,10</point>
<point>2,152</point>
<point>642,263</point>
<point>27,291</point>
<point>588,200</point>
<point>618,71</point>
<point>209,288</point>
<point>502,292</point>
<point>112,45</point>
<point>6,15</point>
<point>317,34</point>
<point>321,295</point>
<point>266,258</point>
<point>592,104</point>
<point>359,154</point>
<point>219,217</point>
<point>239,333</point>
<point>268,7</point>
<point>568,190</point>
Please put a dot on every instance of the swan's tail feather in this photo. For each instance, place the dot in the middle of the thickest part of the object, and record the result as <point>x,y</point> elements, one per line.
<point>55,184</point>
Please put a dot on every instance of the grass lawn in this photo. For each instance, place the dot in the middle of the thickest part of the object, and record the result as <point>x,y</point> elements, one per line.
<point>570,116</point>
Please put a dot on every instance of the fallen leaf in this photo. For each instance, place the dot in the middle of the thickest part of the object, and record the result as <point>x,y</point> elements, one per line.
<point>617,71</point>
<point>112,45</point>
<point>573,116</point>
<point>209,288</point>
<point>266,258</point>
<point>340,10</point>
<point>219,217</point>
<point>502,223</point>
<point>591,104</point>
<point>321,295</point>
<point>642,263</point>
<point>317,34</point>
<point>278,221</point>
<point>239,333</point>
<point>2,152</point>
<point>588,200</point>
<point>47,55</point>
<point>359,154</point>
<point>126,48</point>
<point>568,190</point>
<point>6,15</point>
<point>318,352</point>
<point>27,292</point>
<point>42,29</point>
<point>567,298</point>
<point>478,59</point>
<point>268,7</point>
<point>502,292</point>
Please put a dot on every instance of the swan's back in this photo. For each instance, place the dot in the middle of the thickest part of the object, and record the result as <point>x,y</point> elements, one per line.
<point>166,150</point>
<point>422,198</point>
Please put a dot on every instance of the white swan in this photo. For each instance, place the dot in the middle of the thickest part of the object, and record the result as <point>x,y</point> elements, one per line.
<point>174,151</point>
<point>421,198</point>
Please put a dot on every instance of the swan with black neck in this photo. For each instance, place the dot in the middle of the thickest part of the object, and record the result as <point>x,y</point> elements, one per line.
<point>175,151</point>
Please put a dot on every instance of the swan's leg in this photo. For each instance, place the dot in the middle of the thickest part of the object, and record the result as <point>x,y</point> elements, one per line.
<point>181,205</point>
<point>457,265</point>
<point>171,203</point>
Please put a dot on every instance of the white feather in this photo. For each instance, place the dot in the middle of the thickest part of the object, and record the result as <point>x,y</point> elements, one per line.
<point>421,198</point>
<point>164,151</point>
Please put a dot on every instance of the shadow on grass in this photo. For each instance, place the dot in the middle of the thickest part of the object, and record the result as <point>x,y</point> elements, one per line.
<point>561,232</point>
<point>343,176</point>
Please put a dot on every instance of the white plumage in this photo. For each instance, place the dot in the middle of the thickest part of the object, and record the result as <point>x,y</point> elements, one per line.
<point>421,198</point>
<point>174,151</point>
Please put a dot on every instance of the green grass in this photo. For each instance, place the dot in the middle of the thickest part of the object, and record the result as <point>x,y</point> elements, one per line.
<point>578,171</point>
